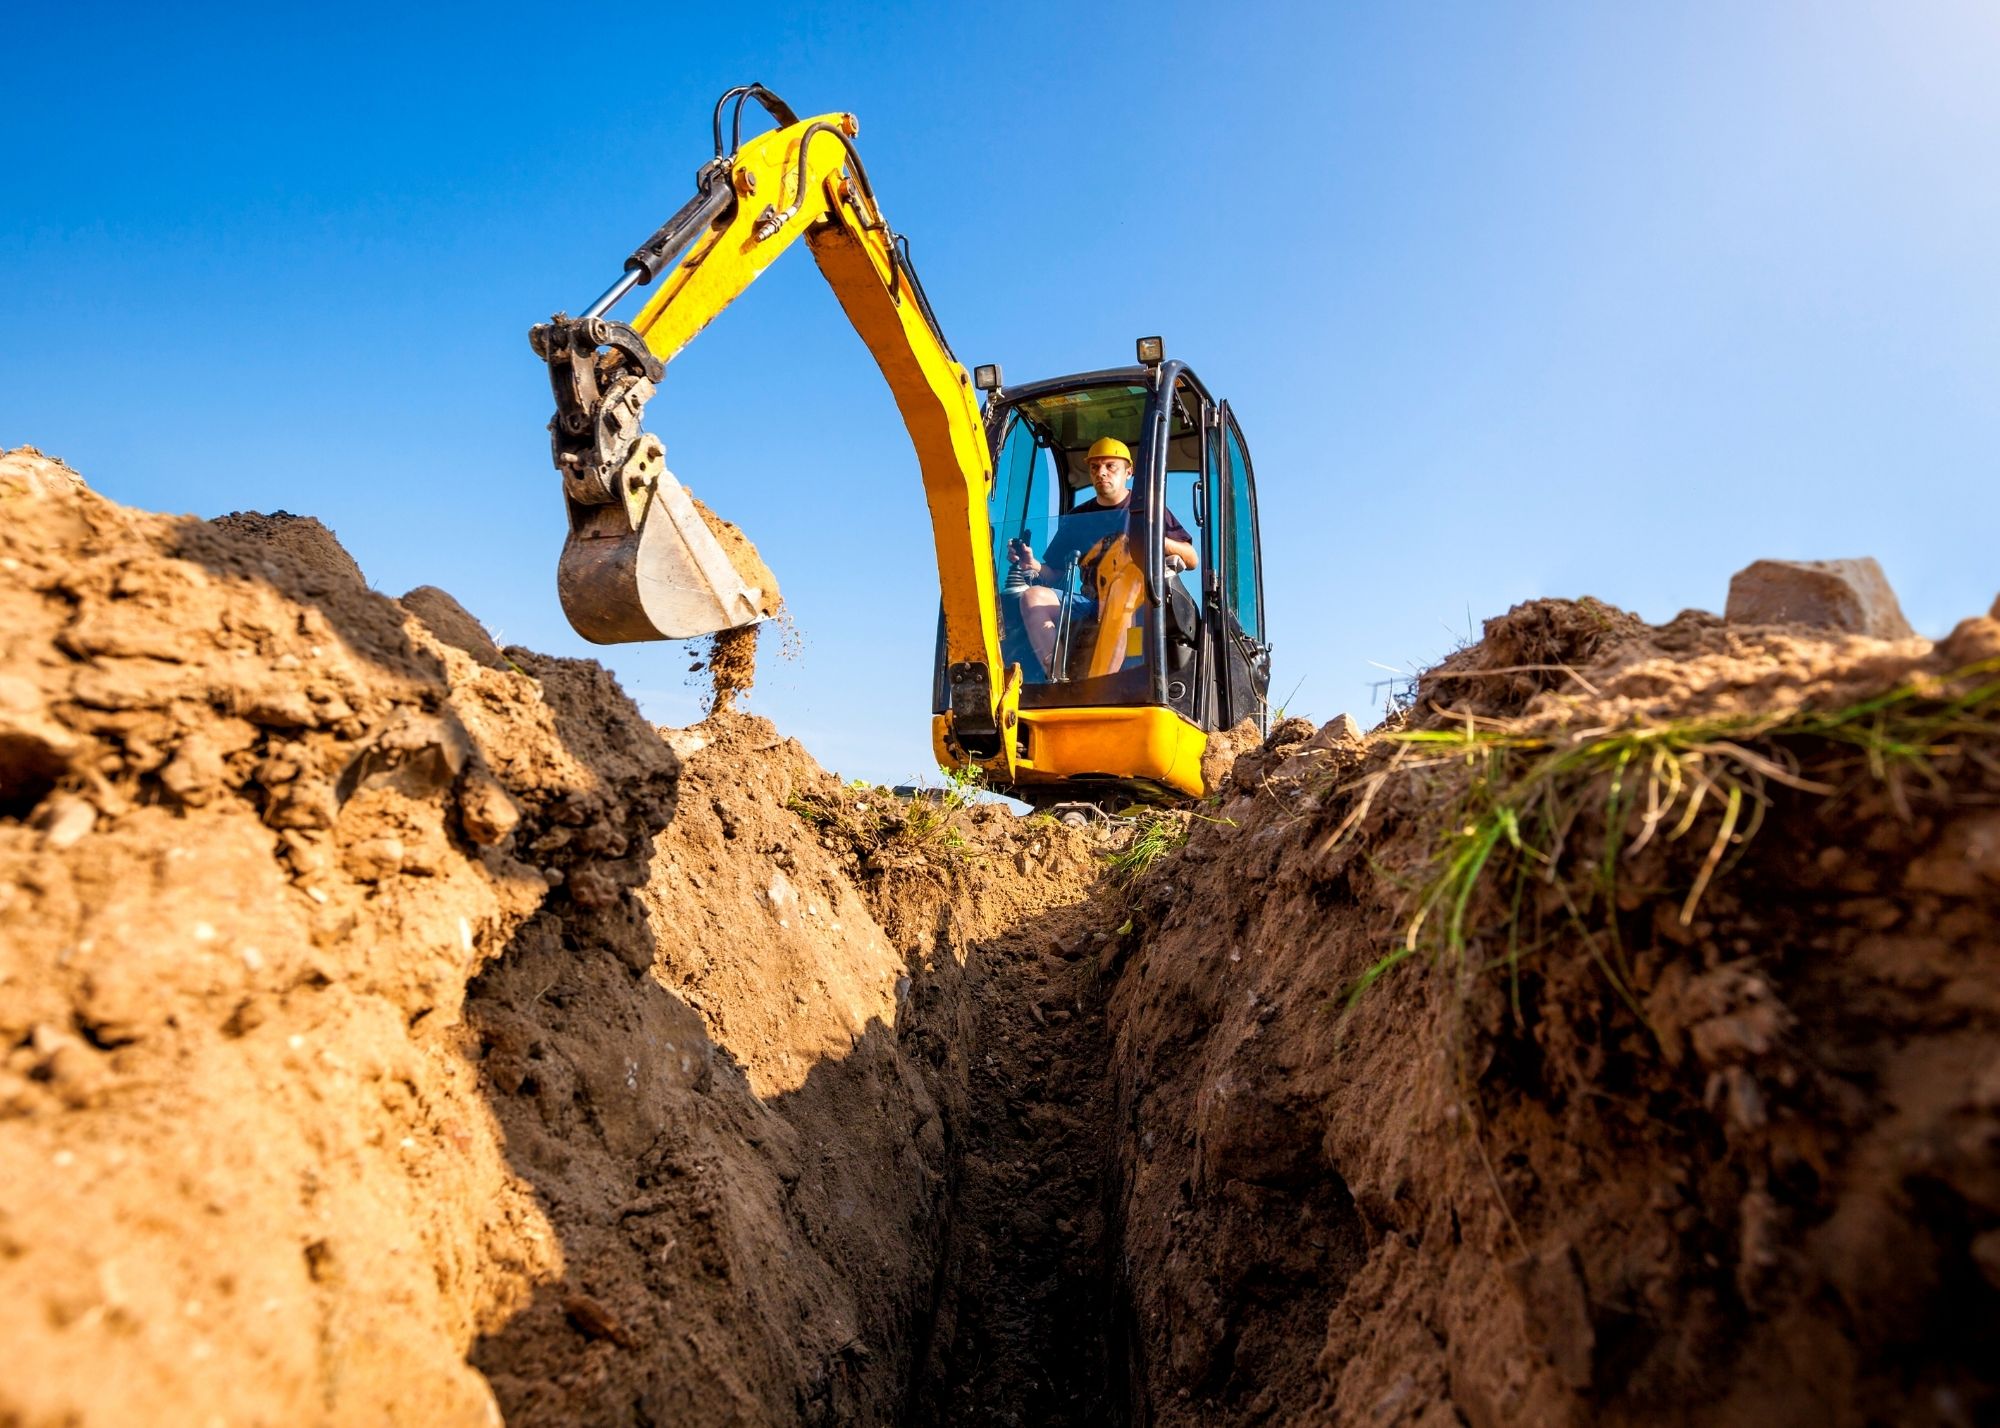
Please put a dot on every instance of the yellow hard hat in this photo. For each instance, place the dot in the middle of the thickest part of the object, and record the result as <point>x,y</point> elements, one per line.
<point>1109,446</point>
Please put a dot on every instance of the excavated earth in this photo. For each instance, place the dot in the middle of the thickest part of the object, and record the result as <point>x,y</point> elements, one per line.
<point>398,1029</point>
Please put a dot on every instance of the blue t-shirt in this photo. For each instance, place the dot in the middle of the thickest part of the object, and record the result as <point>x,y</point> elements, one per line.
<point>1083,528</point>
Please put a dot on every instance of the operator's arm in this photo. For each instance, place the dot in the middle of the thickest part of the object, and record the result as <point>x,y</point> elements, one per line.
<point>1179,544</point>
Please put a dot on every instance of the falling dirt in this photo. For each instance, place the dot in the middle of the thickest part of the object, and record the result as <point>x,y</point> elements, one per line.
<point>730,656</point>
<point>731,661</point>
<point>400,1030</point>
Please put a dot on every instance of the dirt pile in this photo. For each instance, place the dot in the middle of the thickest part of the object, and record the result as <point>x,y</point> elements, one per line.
<point>392,1036</point>
<point>1671,1089</point>
<point>398,1029</point>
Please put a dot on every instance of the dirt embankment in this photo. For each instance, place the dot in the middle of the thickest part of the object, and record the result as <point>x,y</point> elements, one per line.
<point>398,1029</point>
<point>1680,1103</point>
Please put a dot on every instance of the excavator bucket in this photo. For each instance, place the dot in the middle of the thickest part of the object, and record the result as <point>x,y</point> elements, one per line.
<point>666,577</point>
<point>644,560</point>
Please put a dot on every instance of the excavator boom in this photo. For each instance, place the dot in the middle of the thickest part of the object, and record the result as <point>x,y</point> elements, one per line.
<point>640,562</point>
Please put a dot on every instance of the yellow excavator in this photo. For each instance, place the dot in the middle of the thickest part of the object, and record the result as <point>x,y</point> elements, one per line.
<point>1148,657</point>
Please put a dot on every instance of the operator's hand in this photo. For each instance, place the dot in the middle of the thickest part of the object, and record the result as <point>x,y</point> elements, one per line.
<point>1019,554</point>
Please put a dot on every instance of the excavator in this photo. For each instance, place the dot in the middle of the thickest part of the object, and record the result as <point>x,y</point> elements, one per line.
<point>1149,657</point>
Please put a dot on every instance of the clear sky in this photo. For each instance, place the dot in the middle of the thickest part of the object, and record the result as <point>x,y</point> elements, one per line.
<point>1512,300</point>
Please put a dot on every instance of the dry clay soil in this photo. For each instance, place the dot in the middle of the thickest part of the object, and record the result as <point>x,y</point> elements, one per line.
<point>398,1029</point>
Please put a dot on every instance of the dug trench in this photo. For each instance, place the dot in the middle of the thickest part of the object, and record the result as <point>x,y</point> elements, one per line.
<point>399,1029</point>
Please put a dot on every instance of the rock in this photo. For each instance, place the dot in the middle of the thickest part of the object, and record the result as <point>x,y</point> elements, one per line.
<point>1221,753</point>
<point>486,811</point>
<point>305,803</point>
<point>65,820</point>
<point>196,772</point>
<point>1337,732</point>
<point>1312,757</point>
<point>373,859</point>
<point>1986,1254</point>
<point>418,755</point>
<point>596,1321</point>
<point>594,887</point>
<point>277,707</point>
<point>1850,596</point>
<point>453,624</point>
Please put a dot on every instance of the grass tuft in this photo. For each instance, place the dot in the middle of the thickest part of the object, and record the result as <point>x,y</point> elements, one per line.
<point>1570,811</point>
<point>1157,835</point>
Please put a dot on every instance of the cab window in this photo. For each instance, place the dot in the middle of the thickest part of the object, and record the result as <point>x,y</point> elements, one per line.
<point>1244,585</point>
<point>1041,477</point>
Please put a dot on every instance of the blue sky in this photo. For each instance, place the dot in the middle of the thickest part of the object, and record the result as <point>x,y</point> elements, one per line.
<point>1512,300</point>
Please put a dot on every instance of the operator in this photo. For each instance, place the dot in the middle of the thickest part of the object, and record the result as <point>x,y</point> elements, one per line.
<point>1110,463</point>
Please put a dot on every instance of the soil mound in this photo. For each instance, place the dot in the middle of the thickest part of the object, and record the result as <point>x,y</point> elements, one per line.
<point>397,1033</point>
<point>453,624</point>
<point>304,538</point>
<point>392,1037</point>
<point>1611,1039</point>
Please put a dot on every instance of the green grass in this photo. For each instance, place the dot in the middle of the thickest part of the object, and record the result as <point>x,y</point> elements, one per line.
<point>1569,810</point>
<point>1157,835</point>
<point>872,817</point>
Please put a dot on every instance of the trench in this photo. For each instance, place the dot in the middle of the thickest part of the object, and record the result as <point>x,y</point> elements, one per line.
<point>1022,1323</point>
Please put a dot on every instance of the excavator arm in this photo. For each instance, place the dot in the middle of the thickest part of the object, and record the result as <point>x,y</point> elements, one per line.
<point>639,562</point>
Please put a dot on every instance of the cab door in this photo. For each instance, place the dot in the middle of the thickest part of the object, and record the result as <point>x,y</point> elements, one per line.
<point>1244,669</point>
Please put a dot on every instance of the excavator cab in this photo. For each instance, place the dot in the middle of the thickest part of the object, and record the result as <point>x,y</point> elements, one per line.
<point>1149,657</point>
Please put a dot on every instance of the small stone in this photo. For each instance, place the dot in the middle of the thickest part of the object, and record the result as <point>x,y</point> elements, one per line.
<point>65,820</point>
<point>596,1321</point>
<point>1339,731</point>
<point>486,811</point>
<point>279,708</point>
<point>1986,1254</point>
<point>592,886</point>
<point>307,803</point>
<point>195,772</point>
<point>373,859</point>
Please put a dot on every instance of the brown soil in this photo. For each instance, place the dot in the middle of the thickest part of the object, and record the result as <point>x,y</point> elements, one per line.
<point>453,624</point>
<point>730,657</point>
<point>311,546</point>
<point>1759,1185</point>
<point>744,556</point>
<point>731,661</point>
<point>393,1035</point>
